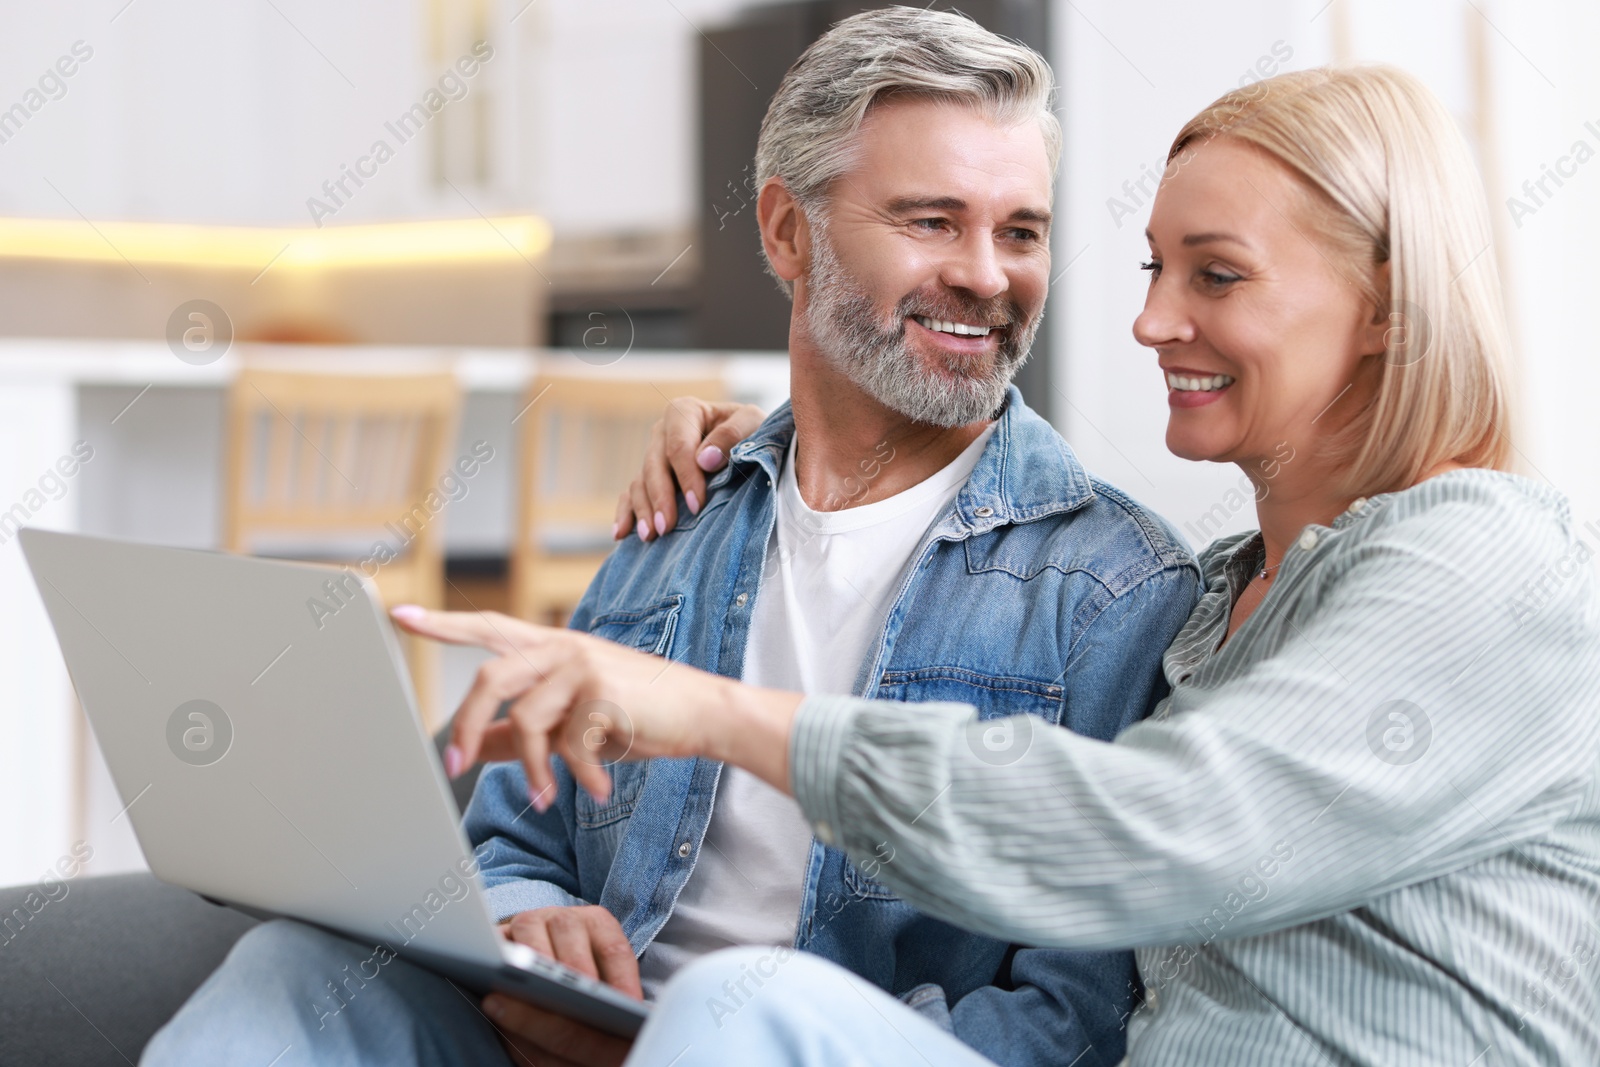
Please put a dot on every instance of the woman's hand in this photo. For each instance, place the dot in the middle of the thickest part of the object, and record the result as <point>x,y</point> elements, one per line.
<point>690,439</point>
<point>594,702</point>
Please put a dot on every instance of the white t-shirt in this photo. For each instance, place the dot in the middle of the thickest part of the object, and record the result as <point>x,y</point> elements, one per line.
<point>830,579</point>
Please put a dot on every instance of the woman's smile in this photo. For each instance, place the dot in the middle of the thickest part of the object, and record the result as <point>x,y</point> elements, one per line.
<point>1188,388</point>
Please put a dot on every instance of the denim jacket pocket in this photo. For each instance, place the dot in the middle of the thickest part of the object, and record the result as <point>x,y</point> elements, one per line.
<point>994,695</point>
<point>626,781</point>
<point>648,629</point>
<point>651,630</point>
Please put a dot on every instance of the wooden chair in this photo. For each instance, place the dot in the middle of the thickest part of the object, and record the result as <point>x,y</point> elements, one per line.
<point>581,438</point>
<point>326,466</point>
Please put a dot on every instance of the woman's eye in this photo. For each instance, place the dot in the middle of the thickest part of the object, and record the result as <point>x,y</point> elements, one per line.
<point>1218,279</point>
<point>1153,267</point>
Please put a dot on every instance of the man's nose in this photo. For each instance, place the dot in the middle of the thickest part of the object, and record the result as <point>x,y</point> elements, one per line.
<point>972,264</point>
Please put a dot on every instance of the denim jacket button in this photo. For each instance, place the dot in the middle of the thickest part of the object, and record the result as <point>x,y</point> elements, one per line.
<point>684,850</point>
<point>984,512</point>
<point>740,600</point>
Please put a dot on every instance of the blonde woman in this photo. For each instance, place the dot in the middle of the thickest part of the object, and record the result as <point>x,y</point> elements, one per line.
<point>1365,826</point>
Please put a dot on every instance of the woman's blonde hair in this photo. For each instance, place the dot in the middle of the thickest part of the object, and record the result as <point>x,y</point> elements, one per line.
<point>1392,182</point>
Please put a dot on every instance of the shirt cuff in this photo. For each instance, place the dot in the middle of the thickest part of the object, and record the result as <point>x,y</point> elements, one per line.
<point>822,726</point>
<point>525,894</point>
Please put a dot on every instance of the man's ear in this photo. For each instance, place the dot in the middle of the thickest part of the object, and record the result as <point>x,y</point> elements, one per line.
<point>784,231</point>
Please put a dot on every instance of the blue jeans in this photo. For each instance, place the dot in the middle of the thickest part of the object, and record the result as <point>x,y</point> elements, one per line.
<point>277,1000</point>
<point>270,1005</point>
<point>751,1006</point>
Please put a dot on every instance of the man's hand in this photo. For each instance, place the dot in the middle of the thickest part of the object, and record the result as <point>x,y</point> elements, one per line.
<point>533,1037</point>
<point>690,439</point>
<point>594,702</point>
<point>587,939</point>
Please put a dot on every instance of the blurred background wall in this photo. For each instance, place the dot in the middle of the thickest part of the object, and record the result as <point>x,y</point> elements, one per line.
<point>586,166</point>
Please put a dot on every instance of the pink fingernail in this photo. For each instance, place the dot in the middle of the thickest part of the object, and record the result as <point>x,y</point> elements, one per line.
<point>408,612</point>
<point>539,798</point>
<point>693,502</point>
<point>452,761</point>
<point>661,523</point>
<point>710,458</point>
<point>616,528</point>
<point>644,530</point>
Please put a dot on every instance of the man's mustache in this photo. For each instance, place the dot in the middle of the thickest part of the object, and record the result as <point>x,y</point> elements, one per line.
<point>1000,313</point>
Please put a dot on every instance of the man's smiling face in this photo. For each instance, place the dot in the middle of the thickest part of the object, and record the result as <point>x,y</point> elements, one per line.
<point>928,274</point>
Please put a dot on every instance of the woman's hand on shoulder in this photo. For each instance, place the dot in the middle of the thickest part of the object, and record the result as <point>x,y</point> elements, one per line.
<point>688,442</point>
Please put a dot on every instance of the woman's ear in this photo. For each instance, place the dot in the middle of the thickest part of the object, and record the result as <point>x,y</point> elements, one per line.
<point>784,233</point>
<point>1384,320</point>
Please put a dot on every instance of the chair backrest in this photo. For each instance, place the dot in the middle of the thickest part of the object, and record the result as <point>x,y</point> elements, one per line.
<point>313,455</point>
<point>582,439</point>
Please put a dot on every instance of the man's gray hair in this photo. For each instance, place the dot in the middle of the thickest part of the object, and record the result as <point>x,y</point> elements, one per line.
<point>808,134</point>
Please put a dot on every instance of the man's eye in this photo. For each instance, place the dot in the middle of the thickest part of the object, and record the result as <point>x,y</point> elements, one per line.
<point>928,224</point>
<point>1025,235</point>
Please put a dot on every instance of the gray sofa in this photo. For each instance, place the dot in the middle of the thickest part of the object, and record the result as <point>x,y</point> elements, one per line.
<point>88,979</point>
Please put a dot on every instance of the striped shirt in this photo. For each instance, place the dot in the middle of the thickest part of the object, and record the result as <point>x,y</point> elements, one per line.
<point>1365,830</point>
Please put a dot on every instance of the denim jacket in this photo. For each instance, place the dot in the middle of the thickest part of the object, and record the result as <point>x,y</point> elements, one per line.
<point>1038,590</point>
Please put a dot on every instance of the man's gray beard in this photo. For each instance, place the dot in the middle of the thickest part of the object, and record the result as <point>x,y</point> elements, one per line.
<point>844,324</point>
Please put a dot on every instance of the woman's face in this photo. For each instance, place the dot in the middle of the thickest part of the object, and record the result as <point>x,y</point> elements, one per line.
<point>1260,330</point>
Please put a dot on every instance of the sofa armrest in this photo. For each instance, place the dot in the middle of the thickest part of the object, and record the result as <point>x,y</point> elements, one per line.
<point>87,977</point>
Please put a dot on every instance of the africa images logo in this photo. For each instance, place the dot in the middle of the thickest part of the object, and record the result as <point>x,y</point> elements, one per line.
<point>1399,732</point>
<point>1001,742</point>
<point>199,732</point>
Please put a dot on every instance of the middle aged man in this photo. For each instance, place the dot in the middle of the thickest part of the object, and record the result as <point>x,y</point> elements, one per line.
<point>906,527</point>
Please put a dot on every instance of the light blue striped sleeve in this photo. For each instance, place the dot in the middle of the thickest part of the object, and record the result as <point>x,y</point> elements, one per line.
<point>1277,744</point>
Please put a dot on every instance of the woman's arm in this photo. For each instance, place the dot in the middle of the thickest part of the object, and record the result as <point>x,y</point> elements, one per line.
<point>1269,797</point>
<point>1407,723</point>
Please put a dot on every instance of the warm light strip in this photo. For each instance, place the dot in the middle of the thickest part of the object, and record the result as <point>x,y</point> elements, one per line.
<point>253,248</point>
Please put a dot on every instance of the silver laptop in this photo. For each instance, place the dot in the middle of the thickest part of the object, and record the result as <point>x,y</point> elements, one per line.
<point>259,722</point>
